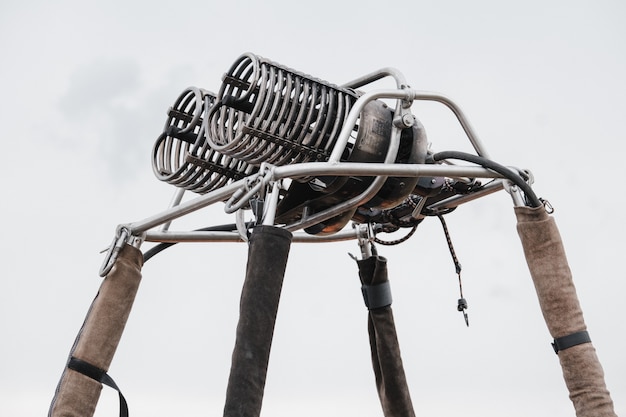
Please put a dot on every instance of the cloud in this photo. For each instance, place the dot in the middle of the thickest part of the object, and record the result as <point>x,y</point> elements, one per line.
<point>99,86</point>
<point>105,109</point>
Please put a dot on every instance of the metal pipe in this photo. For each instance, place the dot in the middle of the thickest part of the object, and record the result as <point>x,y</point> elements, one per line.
<point>408,95</point>
<point>377,75</point>
<point>234,237</point>
<point>339,208</point>
<point>312,168</point>
<point>368,194</point>
<point>463,120</point>
<point>176,199</point>
<point>185,208</point>
<point>374,169</point>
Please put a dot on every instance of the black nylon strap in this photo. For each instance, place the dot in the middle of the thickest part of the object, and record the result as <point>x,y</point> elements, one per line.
<point>99,375</point>
<point>566,342</point>
<point>377,296</point>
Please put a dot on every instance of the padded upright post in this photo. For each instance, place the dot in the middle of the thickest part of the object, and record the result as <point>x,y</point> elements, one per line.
<point>267,260</point>
<point>77,394</point>
<point>393,390</point>
<point>561,310</point>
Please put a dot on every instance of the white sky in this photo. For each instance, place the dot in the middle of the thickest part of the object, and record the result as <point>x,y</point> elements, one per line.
<point>85,87</point>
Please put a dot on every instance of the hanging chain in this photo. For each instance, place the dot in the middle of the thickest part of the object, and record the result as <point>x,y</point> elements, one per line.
<point>462,303</point>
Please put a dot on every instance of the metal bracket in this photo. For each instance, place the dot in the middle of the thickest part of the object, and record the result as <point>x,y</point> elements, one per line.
<point>365,237</point>
<point>269,213</point>
<point>123,235</point>
<point>514,191</point>
<point>253,185</point>
<point>404,119</point>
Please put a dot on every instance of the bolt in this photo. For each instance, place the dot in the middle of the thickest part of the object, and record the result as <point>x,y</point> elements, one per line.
<point>404,121</point>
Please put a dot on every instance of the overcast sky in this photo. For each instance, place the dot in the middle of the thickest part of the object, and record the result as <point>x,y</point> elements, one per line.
<point>85,87</point>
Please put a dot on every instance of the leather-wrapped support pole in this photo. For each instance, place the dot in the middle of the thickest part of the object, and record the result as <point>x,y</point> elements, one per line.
<point>391,384</point>
<point>77,394</point>
<point>561,310</point>
<point>267,261</point>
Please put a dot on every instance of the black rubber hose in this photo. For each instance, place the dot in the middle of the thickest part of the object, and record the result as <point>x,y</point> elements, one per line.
<point>162,246</point>
<point>508,173</point>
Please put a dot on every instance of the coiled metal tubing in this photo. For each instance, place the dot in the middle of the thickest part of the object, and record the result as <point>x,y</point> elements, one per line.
<point>266,112</point>
<point>181,155</point>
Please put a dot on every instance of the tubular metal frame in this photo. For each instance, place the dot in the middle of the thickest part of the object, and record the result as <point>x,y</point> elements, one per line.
<point>269,179</point>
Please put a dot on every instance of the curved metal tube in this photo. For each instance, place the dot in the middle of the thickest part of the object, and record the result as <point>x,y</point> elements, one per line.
<point>406,95</point>
<point>377,75</point>
<point>368,194</point>
<point>463,120</point>
<point>182,209</point>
